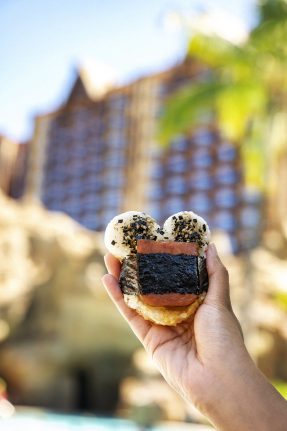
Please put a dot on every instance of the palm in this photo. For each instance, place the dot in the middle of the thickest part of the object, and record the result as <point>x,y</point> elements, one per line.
<point>169,346</point>
<point>246,90</point>
<point>185,353</point>
<point>173,350</point>
<point>165,342</point>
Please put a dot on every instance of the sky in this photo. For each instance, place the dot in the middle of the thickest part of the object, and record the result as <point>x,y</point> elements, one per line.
<point>43,43</point>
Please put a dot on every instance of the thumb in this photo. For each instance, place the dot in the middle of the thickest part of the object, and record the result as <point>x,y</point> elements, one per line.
<point>218,290</point>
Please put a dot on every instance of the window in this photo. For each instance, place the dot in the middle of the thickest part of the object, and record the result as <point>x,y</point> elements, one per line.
<point>250,217</point>
<point>108,215</point>
<point>176,185</point>
<point>173,205</point>
<point>75,151</point>
<point>200,203</point>
<point>117,102</point>
<point>111,199</point>
<point>88,217</point>
<point>201,181</point>
<point>116,140</point>
<point>55,175</point>
<point>113,178</point>
<point>96,165</point>
<point>117,121</point>
<point>225,220</point>
<point>180,143</point>
<point>234,244</point>
<point>226,153</point>
<point>155,191</point>
<point>201,158</point>
<point>203,137</point>
<point>155,210</point>
<point>74,187</point>
<point>252,197</point>
<point>157,170</point>
<point>177,164</point>
<point>227,175</point>
<point>226,198</point>
<point>90,202</point>
<point>115,159</point>
<point>72,205</point>
<point>160,89</point>
<point>93,183</point>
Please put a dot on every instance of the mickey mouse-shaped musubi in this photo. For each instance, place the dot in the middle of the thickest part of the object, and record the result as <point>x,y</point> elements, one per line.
<point>163,269</point>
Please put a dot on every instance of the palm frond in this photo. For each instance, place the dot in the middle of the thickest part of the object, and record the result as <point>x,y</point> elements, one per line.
<point>187,108</point>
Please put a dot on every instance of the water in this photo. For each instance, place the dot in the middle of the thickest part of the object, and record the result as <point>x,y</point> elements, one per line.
<point>42,421</point>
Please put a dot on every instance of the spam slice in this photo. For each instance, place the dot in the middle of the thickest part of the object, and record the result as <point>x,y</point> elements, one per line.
<point>168,273</point>
<point>145,246</point>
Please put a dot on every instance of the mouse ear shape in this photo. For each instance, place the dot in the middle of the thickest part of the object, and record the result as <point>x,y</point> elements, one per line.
<point>187,226</point>
<point>125,229</point>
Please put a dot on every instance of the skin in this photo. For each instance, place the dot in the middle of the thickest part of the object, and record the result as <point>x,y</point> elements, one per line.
<point>205,360</point>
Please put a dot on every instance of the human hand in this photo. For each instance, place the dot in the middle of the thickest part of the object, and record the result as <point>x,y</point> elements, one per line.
<point>204,359</point>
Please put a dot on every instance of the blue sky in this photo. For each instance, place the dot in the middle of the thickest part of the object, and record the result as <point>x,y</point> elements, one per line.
<point>43,41</point>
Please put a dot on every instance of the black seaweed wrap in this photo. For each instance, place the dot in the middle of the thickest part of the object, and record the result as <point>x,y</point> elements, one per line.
<point>161,273</point>
<point>166,273</point>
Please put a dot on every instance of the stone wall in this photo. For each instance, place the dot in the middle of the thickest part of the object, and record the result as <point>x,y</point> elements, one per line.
<point>63,344</point>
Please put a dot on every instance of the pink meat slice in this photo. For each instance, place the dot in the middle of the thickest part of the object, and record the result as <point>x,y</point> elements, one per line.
<point>169,247</point>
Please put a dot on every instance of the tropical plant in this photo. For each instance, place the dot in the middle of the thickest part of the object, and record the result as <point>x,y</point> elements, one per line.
<point>246,90</point>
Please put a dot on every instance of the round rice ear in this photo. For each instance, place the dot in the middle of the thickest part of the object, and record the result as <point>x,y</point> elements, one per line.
<point>125,229</point>
<point>168,316</point>
<point>187,226</point>
<point>121,236</point>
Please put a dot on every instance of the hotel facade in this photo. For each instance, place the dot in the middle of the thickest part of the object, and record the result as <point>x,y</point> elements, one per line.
<point>97,156</point>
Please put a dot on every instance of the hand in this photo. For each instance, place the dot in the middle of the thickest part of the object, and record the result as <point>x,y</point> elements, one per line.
<point>204,359</point>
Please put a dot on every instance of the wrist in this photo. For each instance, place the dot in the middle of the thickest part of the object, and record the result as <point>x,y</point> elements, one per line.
<point>242,399</point>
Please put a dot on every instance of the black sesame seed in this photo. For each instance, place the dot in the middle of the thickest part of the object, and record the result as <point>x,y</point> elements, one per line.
<point>120,221</point>
<point>113,242</point>
<point>204,227</point>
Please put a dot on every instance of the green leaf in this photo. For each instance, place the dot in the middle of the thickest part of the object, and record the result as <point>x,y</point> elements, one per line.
<point>281,387</point>
<point>187,108</point>
<point>228,61</point>
<point>236,105</point>
<point>281,300</point>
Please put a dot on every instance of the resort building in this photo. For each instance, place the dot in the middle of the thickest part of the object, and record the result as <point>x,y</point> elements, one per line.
<point>97,155</point>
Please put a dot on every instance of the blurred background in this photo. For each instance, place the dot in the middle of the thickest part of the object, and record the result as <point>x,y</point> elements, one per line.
<point>110,106</point>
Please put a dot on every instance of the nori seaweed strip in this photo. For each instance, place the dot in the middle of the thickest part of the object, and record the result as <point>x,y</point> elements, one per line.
<point>161,273</point>
<point>129,276</point>
<point>203,274</point>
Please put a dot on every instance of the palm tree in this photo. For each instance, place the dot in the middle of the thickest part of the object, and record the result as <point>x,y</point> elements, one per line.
<point>246,91</point>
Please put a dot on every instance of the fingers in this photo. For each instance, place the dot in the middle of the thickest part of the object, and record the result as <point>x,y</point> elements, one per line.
<point>218,291</point>
<point>112,286</point>
<point>139,326</point>
<point>113,265</point>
